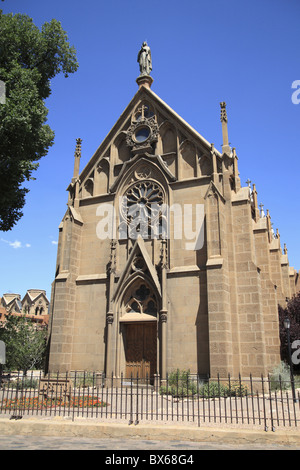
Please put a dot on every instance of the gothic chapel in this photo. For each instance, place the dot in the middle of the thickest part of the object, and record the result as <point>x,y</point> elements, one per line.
<point>164,259</point>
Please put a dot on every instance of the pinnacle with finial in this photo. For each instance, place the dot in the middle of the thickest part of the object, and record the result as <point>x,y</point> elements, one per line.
<point>262,212</point>
<point>78,147</point>
<point>223,111</point>
<point>77,158</point>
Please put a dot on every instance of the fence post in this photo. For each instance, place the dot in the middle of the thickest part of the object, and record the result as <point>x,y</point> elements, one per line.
<point>137,400</point>
<point>156,382</point>
<point>229,392</point>
<point>241,397</point>
<point>264,403</point>
<point>131,410</point>
<point>271,409</point>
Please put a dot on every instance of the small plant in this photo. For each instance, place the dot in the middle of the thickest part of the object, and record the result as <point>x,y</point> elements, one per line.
<point>213,390</point>
<point>179,384</point>
<point>86,380</point>
<point>36,403</point>
<point>217,389</point>
<point>22,383</point>
<point>280,377</point>
<point>237,389</point>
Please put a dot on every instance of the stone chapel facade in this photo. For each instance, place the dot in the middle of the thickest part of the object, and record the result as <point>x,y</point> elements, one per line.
<point>199,294</point>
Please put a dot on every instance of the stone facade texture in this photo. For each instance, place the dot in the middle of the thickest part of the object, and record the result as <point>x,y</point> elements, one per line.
<point>214,306</point>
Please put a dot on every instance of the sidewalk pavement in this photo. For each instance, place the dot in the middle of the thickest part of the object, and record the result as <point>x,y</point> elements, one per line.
<point>96,429</point>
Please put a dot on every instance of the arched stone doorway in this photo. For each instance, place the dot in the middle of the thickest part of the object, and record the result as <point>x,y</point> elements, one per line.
<point>141,350</point>
<point>138,324</point>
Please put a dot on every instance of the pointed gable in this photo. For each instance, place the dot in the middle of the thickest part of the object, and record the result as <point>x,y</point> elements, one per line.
<point>138,250</point>
<point>147,127</point>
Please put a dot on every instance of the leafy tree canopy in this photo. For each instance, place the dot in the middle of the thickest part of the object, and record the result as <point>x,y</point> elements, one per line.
<point>25,343</point>
<point>29,59</point>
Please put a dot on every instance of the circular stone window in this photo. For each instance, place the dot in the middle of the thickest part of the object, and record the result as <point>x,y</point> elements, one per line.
<point>142,134</point>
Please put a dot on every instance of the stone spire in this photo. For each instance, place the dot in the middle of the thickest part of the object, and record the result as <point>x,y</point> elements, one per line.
<point>237,181</point>
<point>255,204</point>
<point>225,147</point>
<point>73,187</point>
<point>77,157</point>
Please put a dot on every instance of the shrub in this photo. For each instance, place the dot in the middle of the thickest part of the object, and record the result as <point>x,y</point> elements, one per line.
<point>85,380</point>
<point>213,390</point>
<point>216,389</point>
<point>180,384</point>
<point>22,383</point>
<point>280,377</point>
<point>237,389</point>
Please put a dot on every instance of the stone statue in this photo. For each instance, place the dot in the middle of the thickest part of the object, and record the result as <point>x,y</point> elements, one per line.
<point>144,59</point>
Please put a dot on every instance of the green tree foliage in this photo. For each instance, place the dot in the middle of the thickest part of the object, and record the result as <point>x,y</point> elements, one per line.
<point>29,59</point>
<point>25,343</point>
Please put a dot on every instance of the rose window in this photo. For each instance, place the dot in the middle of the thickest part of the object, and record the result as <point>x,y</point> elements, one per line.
<point>142,208</point>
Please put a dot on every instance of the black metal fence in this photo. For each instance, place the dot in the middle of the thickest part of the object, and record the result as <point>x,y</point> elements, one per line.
<point>263,401</point>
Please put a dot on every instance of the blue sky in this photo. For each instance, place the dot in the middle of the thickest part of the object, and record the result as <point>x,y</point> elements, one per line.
<point>204,51</point>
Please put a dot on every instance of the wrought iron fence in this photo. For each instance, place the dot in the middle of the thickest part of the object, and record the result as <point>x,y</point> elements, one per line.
<point>181,398</point>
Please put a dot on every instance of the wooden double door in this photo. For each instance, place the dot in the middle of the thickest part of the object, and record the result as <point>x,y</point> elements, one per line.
<point>140,350</point>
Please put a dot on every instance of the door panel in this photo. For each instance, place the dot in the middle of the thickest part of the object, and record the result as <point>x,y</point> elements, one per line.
<point>134,351</point>
<point>140,350</point>
<point>150,346</point>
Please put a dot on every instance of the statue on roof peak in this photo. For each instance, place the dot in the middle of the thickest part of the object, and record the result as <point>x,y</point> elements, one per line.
<point>144,59</point>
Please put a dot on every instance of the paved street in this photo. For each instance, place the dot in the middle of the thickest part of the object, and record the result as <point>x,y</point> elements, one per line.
<point>77,443</point>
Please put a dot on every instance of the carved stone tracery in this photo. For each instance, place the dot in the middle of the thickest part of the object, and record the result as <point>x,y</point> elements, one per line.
<point>143,132</point>
<point>142,209</point>
<point>141,299</point>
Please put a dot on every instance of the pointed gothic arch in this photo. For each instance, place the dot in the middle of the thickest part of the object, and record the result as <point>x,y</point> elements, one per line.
<point>138,326</point>
<point>188,157</point>
<point>136,303</point>
<point>138,265</point>
<point>101,177</point>
<point>120,149</point>
<point>140,300</point>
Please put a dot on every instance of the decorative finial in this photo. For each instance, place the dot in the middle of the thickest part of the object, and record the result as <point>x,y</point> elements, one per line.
<point>77,156</point>
<point>262,213</point>
<point>225,147</point>
<point>272,231</point>
<point>78,147</point>
<point>223,111</point>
